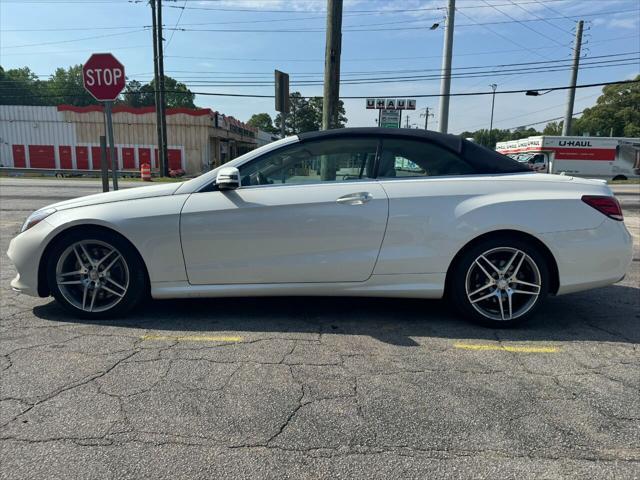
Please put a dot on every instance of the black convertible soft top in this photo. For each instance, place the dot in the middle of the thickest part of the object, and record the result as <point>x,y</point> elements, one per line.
<point>482,159</point>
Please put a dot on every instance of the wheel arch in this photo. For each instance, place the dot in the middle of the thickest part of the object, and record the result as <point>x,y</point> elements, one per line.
<point>544,250</point>
<point>43,286</point>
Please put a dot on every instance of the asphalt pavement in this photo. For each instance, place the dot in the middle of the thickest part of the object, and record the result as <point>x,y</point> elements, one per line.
<point>297,388</point>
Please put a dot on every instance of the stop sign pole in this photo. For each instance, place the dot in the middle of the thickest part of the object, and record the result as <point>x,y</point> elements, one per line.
<point>103,77</point>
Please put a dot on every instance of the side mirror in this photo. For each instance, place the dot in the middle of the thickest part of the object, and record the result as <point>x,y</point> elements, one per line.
<point>228,178</point>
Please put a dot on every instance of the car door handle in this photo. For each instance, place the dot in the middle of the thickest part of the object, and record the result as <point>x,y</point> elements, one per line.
<point>359,198</point>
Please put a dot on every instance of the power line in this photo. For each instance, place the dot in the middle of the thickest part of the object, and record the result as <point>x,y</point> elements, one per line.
<point>425,27</point>
<point>543,4</point>
<point>542,121</point>
<point>545,20</point>
<point>256,82</point>
<point>387,11</point>
<point>384,80</point>
<point>430,95</point>
<point>500,65</point>
<point>523,24</point>
<point>66,52</point>
<point>530,113</point>
<point>232,81</point>
<point>307,60</point>
<point>6,47</point>
<point>506,38</point>
<point>175,27</point>
<point>355,28</point>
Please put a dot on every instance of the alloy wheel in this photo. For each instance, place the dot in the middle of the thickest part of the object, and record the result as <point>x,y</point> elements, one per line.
<point>503,283</point>
<point>92,275</point>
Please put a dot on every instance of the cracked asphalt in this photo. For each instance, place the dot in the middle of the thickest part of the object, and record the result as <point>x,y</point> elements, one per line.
<point>314,387</point>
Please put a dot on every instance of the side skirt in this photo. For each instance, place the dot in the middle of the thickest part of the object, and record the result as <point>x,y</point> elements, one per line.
<point>402,286</point>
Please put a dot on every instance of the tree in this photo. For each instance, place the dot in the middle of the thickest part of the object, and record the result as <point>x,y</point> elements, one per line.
<point>497,135</point>
<point>262,121</point>
<point>65,86</point>
<point>616,112</point>
<point>300,117</point>
<point>138,95</point>
<point>553,128</point>
<point>20,86</point>
<point>306,115</point>
<point>316,104</point>
<point>176,94</point>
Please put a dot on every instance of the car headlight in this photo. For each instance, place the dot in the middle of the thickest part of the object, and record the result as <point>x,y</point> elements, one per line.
<point>36,217</point>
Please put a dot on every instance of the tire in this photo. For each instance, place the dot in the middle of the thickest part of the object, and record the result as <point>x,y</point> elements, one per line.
<point>619,177</point>
<point>106,286</point>
<point>479,298</point>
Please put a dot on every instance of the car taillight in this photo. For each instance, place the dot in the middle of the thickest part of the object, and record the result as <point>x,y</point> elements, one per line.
<point>609,206</point>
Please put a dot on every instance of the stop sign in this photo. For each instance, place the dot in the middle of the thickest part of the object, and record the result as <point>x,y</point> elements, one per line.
<point>103,76</point>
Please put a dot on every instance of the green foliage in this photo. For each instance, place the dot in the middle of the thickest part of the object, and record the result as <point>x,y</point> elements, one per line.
<point>497,135</point>
<point>306,115</point>
<point>263,121</point>
<point>177,94</point>
<point>136,94</point>
<point>65,86</point>
<point>20,86</point>
<point>616,112</point>
<point>553,128</point>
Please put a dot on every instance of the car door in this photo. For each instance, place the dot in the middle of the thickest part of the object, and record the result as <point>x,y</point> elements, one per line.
<point>308,212</point>
<point>425,183</point>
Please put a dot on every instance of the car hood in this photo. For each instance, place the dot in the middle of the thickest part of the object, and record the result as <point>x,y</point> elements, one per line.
<point>136,193</point>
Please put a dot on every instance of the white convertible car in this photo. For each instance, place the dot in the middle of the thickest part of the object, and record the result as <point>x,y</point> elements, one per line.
<point>356,212</point>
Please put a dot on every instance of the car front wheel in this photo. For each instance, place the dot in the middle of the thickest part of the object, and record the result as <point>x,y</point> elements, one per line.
<point>500,282</point>
<point>95,274</point>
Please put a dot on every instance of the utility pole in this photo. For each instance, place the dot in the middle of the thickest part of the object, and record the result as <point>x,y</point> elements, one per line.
<point>156,77</point>
<point>162,153</point>
<point>426,117</point>
<point>566,127</point>
<point>493,102</point>
<point>406,122</point>
<point>332,65</point>
<point>445,83</point>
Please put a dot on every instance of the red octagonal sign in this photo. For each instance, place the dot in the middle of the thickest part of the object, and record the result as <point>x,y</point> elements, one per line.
<point>103,76</point>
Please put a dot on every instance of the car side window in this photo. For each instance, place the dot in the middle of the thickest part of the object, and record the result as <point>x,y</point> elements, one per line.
<point>413,158</point>
<point>330,160</point>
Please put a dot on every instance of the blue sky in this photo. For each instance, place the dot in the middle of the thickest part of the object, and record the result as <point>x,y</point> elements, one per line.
<point>381,39</point>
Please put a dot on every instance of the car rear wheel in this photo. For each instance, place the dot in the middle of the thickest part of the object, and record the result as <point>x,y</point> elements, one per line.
<point>500,282</point>
<point>95,274</point>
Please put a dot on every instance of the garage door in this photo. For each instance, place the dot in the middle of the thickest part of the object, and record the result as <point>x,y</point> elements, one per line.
<point>95,157</point>
<point>64,153</point>
<point>175,158</point>
<point>19,157</point>
<point>42,156</point>
<point>82,158</point>
<point>128,159</point>
<point>144,156</point>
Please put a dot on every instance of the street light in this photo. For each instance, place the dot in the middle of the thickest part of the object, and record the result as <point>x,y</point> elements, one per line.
<point>535,93</point>
<point>493,101</point>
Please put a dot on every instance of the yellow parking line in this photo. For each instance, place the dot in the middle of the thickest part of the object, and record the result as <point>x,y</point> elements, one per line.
<point>506,348</point>
<point>192,338</point>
